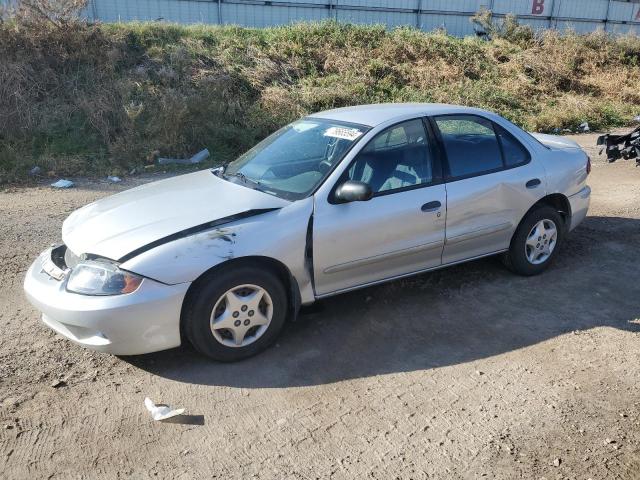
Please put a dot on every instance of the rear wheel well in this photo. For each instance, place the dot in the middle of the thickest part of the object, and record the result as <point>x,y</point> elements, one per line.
<point>557,201</point>
<point>258,262</point>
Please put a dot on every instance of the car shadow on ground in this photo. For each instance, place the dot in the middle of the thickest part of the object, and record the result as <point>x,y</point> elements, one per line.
<point>455,315</point>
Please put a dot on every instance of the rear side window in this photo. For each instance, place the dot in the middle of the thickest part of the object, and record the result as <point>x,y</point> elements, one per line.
<point>471,145</point>
<point>513,151</point>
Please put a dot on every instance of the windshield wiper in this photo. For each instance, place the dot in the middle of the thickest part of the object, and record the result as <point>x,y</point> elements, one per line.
<point>219,171</point>
<point>243,178</point>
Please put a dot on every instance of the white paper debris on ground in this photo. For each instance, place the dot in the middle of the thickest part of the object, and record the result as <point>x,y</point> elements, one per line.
<point>161,412</point>
<point>62,184</point>
<point>584,127</point>
<point>114,179</point>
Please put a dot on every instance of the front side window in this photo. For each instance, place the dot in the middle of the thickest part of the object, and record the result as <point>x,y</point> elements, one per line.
<point>396,158</point>
<point>292,162</point>
<point>470,143</point>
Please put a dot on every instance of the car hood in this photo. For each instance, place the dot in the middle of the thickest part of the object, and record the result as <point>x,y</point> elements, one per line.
<point>117,225</point>
<point>555,142</point>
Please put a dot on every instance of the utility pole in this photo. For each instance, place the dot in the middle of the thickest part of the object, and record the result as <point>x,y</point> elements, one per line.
<point>606,17</point>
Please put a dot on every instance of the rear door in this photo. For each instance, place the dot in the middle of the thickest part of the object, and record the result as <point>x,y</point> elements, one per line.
<point>400,230</point>
<point>491,182</point>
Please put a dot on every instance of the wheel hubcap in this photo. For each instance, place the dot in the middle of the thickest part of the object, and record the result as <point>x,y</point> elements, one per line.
<point>241,315</point>
<point>541,241</point>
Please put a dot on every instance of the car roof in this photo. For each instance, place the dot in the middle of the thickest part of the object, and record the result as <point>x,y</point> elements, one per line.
<point>375,114</point>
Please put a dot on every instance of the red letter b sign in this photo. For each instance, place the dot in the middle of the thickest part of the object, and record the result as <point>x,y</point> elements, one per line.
<point>537,7</point>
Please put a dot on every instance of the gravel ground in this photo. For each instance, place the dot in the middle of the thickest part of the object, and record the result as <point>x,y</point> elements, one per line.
<point>468,372</point>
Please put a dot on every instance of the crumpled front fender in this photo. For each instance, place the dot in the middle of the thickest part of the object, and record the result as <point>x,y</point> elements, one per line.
<point>279,234</point>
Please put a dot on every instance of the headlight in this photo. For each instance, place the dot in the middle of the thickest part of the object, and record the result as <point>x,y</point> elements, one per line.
<point>93,277</point>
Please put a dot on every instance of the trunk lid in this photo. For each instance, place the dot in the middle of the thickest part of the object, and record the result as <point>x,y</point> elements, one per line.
<point>556,142</point>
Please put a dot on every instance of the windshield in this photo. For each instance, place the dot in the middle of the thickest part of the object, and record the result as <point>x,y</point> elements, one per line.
<point>292,162</point>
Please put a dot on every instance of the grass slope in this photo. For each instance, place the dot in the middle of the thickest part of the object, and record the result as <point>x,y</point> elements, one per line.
<point>102,99</point>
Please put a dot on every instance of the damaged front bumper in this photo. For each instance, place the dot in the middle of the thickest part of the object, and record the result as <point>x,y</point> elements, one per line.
<point>147,320</point>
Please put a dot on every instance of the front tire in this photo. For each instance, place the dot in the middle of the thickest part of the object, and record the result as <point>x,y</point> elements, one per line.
<point>536,242</point>
<point>235,313</point>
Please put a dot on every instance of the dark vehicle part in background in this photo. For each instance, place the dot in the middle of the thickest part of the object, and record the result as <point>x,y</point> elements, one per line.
<point>622,146</point>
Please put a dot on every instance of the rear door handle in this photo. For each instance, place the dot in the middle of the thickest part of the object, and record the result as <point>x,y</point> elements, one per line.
<point>431,206</point>
<point>533,183</point>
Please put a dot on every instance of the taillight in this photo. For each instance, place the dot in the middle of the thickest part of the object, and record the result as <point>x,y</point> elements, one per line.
<point>588,165</point>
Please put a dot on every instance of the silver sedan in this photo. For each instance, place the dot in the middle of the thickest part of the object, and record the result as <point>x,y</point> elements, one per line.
<point>338,200</point>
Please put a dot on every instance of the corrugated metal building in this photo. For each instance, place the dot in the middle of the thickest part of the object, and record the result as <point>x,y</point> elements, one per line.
<point>453,15</point>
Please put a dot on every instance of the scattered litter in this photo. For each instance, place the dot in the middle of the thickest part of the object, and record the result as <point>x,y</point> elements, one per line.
<point>35,170</point>
<point>609,441</point>
<point>621,146</point>
<point>161,412</point>
<point>114,179</point>
<point>62,184</point>
<point>59,384</point>
<point>478,372</point>
<point>636,118</point>
<point>557,462</point>
<point>584,127</point>
<point>197,158</point>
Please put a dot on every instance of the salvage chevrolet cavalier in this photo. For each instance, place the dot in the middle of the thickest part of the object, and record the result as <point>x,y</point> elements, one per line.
<point>336,201</point>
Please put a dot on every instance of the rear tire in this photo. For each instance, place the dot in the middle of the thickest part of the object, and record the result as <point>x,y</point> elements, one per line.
<point>536,242</point>
<point>235,313</point>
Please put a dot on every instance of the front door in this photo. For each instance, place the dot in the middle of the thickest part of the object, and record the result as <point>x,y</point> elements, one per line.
<point>399,231</point>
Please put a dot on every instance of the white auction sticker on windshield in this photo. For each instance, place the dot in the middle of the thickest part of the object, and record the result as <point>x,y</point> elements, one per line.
<point>343,132</point>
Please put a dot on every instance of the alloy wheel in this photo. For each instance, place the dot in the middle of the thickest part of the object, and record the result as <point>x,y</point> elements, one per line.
<point>541,241</point>
<point>241,316</point>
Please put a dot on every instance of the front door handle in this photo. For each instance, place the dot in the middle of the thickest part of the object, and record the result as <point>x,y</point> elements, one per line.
<point>431,206</point>
<point>533,183</point>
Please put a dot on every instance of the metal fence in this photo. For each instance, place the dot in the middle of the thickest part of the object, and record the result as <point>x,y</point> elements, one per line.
<point>452,15</point>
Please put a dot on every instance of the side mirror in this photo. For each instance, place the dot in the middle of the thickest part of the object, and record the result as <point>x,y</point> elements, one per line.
<point>352,191</point>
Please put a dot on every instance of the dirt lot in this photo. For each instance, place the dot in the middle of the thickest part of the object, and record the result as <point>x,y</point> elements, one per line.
<point>468,372</point>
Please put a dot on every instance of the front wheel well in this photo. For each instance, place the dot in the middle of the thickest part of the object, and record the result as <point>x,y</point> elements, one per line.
<point>259,262</point>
